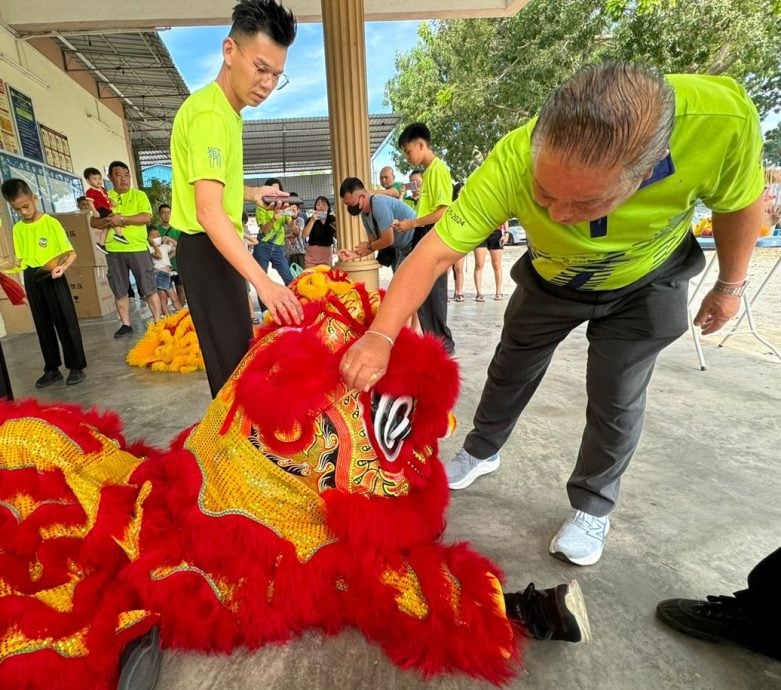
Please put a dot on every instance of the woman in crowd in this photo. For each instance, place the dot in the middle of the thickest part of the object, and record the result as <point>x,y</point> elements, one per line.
<point>320,232</point>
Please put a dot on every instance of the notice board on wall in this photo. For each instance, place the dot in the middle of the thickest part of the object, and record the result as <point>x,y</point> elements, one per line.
<point>56,189</point>
<point>26,124</point>
<point>7,132</point>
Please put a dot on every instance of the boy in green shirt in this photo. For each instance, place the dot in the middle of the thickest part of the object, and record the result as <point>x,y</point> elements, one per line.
<point>436,194</point>
<point>44,253</point>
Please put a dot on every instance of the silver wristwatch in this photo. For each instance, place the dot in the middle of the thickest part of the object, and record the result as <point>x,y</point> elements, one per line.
<point>730,290</point>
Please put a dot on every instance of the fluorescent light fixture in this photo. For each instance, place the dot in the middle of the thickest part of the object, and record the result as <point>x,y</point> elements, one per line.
<point>26,72</point>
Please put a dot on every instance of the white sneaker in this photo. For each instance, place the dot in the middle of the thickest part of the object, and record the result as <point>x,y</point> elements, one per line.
<point>581,538</point>
<point>464,468</point>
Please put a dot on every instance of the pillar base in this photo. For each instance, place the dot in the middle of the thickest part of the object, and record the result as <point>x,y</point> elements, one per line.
<point>366,272</point>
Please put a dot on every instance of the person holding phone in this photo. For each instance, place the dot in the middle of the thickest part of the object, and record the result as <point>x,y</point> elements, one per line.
<point>320,233</point>
<point>209,191</point>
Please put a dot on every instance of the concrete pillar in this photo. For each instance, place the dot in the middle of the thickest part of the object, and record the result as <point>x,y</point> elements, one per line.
<point>348,115</point>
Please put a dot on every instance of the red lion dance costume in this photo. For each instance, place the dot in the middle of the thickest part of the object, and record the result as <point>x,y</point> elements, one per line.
<point>295,503</point>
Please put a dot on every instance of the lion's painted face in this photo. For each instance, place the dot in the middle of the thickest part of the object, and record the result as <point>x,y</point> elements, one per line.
<point>288,398</point>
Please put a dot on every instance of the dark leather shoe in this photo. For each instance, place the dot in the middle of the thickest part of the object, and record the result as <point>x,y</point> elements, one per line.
<point>719,619</point>
<point>75,376</point>
<point>48,378</point>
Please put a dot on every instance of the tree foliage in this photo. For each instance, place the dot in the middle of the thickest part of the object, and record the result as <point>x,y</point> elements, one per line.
<point>773,146</point>
<point>472,81</point>
<point>159,192</point>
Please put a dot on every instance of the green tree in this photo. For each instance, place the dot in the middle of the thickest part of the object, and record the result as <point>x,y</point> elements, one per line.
<point>472,81</point>
<point>773,146</point>
<point>159,192</point>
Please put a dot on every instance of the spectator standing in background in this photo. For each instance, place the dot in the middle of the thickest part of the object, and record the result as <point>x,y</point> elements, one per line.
<point>320,233</point>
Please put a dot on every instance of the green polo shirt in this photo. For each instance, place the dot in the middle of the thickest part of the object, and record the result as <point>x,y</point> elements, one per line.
<point>206,144</point>
<point>436,189</point>
<point>278,230</point>
<point>129,203</point>
<point>715,156</point>
<point>37,243</point>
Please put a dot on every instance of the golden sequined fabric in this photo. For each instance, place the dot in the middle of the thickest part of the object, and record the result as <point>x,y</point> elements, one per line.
<point>223,590</point>
<point>409,595</point>
<point>16,642</point>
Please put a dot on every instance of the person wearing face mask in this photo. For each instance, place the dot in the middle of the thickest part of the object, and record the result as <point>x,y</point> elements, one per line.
<point>605,180</point>
<point>162,250</point>
<point>378,213</point>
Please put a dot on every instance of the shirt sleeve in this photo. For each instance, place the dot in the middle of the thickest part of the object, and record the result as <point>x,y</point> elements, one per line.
<point>440,188</point>
<point>59,236</point>
<point>381,210</point>
<point>141,203</point>
<point>742,177</point>
<point>486,200</point>
<point>207,153</point>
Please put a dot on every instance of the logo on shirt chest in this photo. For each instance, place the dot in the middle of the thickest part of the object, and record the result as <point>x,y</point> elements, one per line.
<point>43,242</point>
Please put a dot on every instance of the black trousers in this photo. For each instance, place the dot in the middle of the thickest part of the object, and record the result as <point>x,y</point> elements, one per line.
<point>5,381</point>
<point>433,312</point>
<point>54,317</point>
<point>762,602</point>
<point>217,298</point>
<point>625,334</point>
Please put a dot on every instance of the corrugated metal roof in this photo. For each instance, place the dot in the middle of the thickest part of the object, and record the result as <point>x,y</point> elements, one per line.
<point>288,145</point>
<point>137,69</point>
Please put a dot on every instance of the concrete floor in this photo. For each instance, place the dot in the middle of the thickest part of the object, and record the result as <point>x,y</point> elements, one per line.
<point>699,507</point>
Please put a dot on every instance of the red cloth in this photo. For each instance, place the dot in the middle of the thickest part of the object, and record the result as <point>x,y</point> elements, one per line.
<point>12,289</point>
<point>99,197</point>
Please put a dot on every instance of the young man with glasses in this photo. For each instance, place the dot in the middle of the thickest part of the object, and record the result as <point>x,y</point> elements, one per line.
<point>209,192</point>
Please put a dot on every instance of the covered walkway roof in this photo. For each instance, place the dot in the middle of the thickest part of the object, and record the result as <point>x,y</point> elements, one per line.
<point>286,146</point>
<point>136,69</point>
<point>42,17</point>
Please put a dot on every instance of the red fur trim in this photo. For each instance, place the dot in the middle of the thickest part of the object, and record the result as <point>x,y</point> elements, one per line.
<point>286,385</point>
<point>371,522</point>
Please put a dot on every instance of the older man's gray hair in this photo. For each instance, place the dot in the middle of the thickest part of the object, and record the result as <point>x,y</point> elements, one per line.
<point>607,115</point>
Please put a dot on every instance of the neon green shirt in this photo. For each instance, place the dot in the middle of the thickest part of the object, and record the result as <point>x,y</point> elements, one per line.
<point>278,230</point>
<point>129,203</point>
<point>715,156</point>
<point>37,243</point>
<point>206,144</point>
<point>436,188</point>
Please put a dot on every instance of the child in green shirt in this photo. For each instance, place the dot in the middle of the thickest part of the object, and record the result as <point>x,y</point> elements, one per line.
<point>44,253</point>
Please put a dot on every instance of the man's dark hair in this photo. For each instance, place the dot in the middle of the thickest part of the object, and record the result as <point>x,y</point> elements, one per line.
<point>417,130</point>
<point>80,199</point>
<point>89,172</point>
<point>416,171</point>
<point>274,180</point>
<point>117,164</point>
<point>251,17</point>
<point>162,206</point>
<point>14,188</point>
<point>351,185</point>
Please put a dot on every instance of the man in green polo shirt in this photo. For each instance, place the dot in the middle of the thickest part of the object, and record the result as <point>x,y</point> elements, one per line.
<point>131,211</point>
<point>605,182</point>
<point>209,193</point>
<point>165,229</point>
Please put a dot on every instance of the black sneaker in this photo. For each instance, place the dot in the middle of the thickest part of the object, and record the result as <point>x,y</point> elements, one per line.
<point>75,376</point>
<point>558,613</point>
<point>102,247</point>
<point>48,378</point>
<point>121,238</point>
<point>123,330</point>
<point>139,665</point>
<point>719,619</point>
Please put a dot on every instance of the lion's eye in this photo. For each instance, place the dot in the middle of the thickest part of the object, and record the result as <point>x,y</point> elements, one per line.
<point>391,419</point>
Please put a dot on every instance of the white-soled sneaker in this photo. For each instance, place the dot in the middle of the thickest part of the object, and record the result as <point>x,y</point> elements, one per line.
<point>464,468</point>
<point>581,538</point>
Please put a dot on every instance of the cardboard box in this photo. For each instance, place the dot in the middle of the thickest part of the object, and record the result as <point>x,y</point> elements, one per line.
<point>17,319</point>
<point>91,293</point>
<point>83,238</point>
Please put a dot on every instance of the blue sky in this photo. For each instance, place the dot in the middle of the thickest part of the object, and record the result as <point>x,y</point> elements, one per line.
<point>197,53</point>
